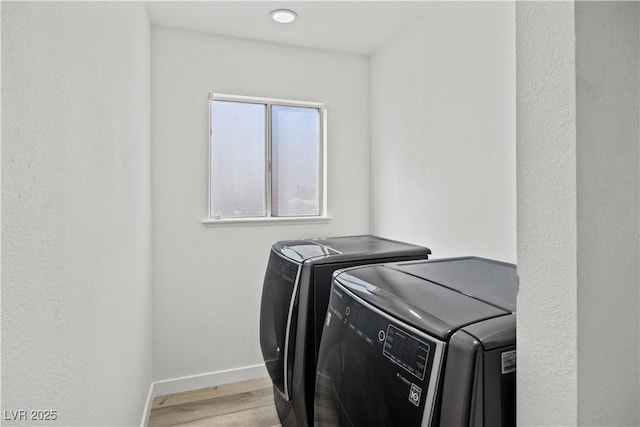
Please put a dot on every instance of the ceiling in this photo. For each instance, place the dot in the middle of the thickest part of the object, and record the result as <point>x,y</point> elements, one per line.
<point>358,27</point>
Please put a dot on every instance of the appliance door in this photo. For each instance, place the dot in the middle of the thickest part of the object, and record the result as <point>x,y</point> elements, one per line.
<point>373,370</point>
<point>277,319</point>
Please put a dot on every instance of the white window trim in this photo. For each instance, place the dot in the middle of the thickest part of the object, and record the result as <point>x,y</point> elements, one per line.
<point>323,217</point>
<point>268,220</point>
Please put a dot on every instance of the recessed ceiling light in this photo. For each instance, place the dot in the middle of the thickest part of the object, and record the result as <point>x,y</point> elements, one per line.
<point>284,16</point>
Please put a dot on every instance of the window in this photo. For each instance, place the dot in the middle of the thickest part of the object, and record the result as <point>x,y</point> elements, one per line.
<point>267,158</point>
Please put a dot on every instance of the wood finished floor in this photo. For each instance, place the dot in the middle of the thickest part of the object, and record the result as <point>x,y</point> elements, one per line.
<point>243,404</point>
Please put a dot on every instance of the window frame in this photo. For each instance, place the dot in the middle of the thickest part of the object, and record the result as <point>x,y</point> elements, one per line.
<point>268,190</point>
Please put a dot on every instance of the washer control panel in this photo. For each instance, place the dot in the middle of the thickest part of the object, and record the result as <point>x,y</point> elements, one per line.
<point>406,351</point>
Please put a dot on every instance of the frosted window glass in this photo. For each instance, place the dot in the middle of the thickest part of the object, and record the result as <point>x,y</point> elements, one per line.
<point>237,159</point>
<point>295,152</point>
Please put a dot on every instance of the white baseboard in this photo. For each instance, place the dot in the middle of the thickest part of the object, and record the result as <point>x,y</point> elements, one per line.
<point>196,382</point>
<point>147,407</point>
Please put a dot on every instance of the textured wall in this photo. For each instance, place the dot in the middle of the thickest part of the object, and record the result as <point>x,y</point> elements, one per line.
<point>208,280</point>
<point>607,74</point>
<point>76,289</point>
<point>578,140</point>
<point>547,224</point>
<point>443,131</point>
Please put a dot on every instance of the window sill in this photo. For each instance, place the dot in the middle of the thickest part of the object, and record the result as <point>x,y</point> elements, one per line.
<point>267,221</point>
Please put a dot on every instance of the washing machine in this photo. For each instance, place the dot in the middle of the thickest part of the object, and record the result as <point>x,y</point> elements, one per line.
<point>295,295</point>
<point>425,343</point>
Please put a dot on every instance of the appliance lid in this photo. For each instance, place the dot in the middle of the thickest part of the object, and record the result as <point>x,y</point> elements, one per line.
<point>494,333</point>
<point>434,309</point>
<point>346,246</point>
<point>302,250</point>
<point>366,244</point>
<point>493,282</point>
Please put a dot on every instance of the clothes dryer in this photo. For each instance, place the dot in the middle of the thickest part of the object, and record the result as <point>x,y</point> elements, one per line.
<point>295,295</point>
<point>425,343</point>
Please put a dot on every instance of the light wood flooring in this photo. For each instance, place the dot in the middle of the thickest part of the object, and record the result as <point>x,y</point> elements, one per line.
<point>243,404</point>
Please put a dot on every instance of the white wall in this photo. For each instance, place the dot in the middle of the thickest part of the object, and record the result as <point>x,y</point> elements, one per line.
<point>547,224</point>
<point>578,168</point>
<point>208,280</point>
<point>443,132</point>
<point>608,138</point>
<point>76,234</point>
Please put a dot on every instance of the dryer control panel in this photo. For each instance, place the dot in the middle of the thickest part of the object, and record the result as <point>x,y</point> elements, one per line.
<point>373,369</point>
<point>406,351</point>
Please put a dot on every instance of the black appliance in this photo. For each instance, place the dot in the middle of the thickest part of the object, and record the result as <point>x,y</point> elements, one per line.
<point>295,295</point>
<point>426,343</point>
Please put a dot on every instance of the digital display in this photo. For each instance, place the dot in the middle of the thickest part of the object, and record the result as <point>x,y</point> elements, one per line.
<point>406,351</point>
